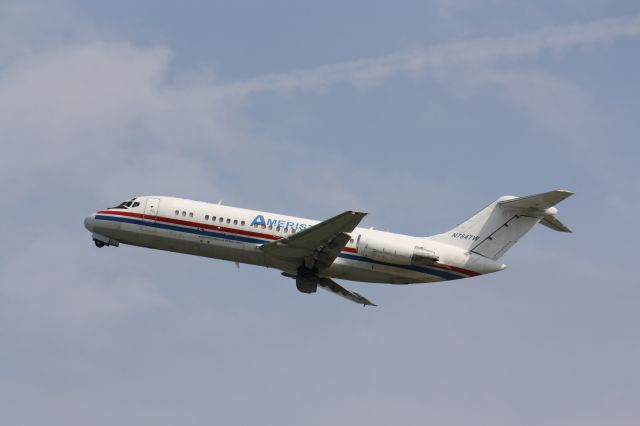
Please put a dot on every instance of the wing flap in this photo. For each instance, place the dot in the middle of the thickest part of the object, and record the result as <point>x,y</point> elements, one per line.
<point>335,288</point>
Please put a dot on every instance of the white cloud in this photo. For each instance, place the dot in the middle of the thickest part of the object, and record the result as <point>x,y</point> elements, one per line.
<point>95,121</point>
<point>446,9</point>
<point>105,110</point>
<point>554,104</point>
<point>32,25</point>
<point>93,108</point>
<point>371,71</point>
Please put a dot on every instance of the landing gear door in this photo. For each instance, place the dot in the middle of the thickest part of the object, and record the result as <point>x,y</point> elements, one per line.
<point>151,214</point>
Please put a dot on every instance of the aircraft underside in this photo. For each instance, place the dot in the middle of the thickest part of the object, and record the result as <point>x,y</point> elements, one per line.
<point>342,268</point>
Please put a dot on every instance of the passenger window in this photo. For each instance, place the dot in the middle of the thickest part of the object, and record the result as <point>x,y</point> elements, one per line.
<point>177,212</point>
<point>221,220</point>
<point>213,218</point>
<point>206,217</point>
<point>184,213</point>
<point>191,214</point>
<point>278,229</point>
<point>235,222</point>
<point>228,220</point>
<point>242,223</point>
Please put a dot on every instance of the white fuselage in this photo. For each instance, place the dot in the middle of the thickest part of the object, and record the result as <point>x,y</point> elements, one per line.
<point>235,234</point>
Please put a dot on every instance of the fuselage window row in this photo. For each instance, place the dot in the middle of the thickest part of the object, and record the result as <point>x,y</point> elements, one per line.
<point>206,217</point>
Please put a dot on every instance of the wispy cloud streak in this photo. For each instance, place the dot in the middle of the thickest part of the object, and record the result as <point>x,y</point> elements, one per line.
<point>370,71</point>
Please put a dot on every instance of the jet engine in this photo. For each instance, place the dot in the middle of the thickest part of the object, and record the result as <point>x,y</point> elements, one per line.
<point>307,280</point>
<point>396,252</point>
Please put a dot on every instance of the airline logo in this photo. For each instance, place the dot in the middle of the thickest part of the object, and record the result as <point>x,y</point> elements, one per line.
<point>261,221</point>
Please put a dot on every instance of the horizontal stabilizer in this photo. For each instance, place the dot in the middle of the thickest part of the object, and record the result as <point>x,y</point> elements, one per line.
<point>537,202</point>
<point>553,223</point>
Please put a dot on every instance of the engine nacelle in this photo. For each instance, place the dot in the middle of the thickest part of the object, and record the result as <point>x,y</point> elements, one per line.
<point>307,280</point>
<point>396,252</point>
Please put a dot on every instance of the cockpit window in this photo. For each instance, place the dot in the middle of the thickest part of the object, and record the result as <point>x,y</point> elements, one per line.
<point>122,205</point>
<point>126,204</point>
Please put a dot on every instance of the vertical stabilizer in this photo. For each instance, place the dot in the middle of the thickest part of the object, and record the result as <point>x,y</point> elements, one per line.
<point>497,227</point>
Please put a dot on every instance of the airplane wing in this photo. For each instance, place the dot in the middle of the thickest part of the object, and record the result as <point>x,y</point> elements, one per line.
<point>319,245</point>
<point>333,287</point>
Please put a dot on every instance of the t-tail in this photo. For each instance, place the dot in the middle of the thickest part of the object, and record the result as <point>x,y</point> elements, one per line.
<point>497,227</point>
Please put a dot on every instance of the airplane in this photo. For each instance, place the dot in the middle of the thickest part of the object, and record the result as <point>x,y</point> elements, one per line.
<point>315,253</point>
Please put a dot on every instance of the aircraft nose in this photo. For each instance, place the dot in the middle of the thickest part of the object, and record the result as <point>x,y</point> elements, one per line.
<point>89,221</point>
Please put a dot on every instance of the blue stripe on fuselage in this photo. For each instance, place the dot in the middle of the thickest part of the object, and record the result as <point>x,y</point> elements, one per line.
<point>430,271</point>
<point>180,229</point>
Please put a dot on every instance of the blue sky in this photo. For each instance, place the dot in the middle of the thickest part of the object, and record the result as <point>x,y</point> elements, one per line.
<point>419,113</point>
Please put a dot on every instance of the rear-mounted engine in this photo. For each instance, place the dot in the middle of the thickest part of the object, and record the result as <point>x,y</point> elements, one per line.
<point>399,253</point>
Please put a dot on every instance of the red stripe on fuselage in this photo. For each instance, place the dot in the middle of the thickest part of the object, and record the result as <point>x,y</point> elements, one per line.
<point>458,270</point>
<point>203,226</point>
<point>255,234</point>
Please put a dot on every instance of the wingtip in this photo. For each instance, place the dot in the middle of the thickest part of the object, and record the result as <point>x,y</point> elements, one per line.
<point>564,191</point>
